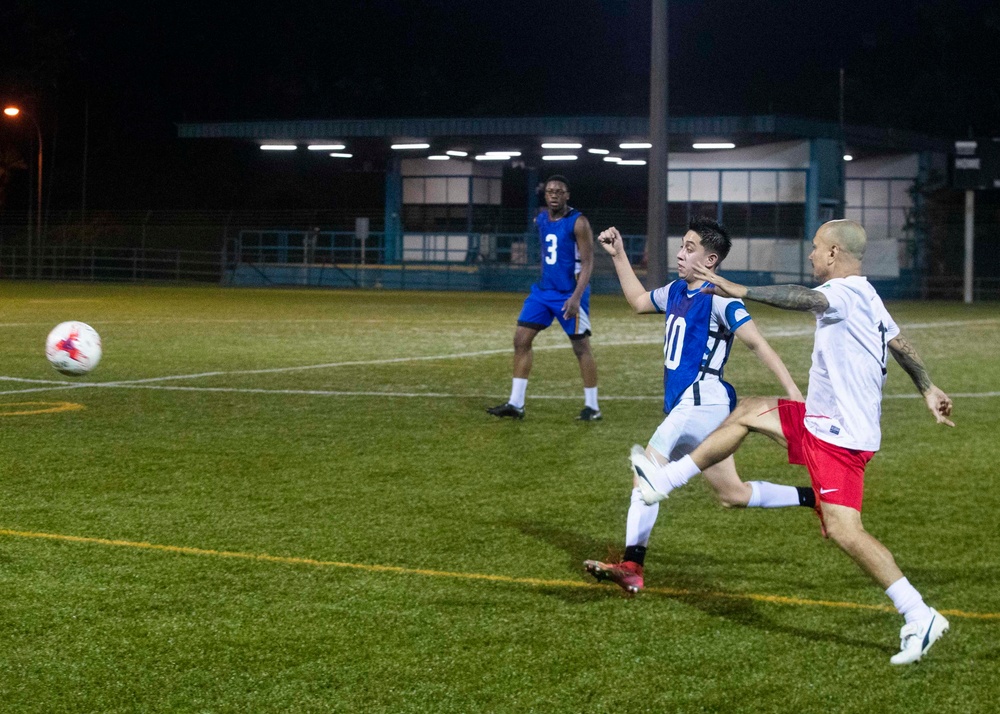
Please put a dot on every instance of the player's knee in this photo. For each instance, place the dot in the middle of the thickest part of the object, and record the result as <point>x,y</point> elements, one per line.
<point>842,531</point>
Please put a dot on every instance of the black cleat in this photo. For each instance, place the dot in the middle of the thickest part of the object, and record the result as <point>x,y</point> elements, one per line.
<point>506,410</point>
<point>589,414</point>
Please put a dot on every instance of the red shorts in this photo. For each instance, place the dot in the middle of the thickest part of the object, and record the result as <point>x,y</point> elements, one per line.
<point>838,474</point>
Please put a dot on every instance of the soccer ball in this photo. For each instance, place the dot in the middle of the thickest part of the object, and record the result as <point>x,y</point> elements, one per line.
<point>73,348</point>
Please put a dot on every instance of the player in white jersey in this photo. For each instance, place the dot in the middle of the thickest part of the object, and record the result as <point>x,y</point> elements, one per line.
<point>698,335</point>
<point>836,431</point>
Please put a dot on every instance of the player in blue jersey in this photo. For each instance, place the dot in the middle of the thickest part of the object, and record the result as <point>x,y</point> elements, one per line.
<point>698,335</point>
<point>563,293</point>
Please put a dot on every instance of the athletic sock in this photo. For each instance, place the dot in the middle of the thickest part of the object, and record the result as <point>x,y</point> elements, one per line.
<point>590,398</point>
<point>640,520</point>
<point>908,601</point>
<point>772,495</point>
<point>674,475</point>
<point>517,390</point>
<point>635,554</point>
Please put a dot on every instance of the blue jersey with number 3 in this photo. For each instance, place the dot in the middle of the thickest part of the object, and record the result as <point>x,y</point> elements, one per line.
<point>560,255</point>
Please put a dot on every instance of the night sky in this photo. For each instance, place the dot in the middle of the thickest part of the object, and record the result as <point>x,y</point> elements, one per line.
<point>134,69</point>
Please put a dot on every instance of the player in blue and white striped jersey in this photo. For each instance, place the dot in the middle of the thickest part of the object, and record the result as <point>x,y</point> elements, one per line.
<point>698,334</point>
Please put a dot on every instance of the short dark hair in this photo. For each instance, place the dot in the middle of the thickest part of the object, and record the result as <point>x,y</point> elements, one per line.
<point>713,235</point>
<point>560,178</point>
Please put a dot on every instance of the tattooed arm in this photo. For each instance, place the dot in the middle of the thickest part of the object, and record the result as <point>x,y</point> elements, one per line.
<point>937,401</point>
<point>789,297</point>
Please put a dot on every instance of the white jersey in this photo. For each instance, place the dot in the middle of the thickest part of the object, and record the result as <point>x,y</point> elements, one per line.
<point>844,401</point>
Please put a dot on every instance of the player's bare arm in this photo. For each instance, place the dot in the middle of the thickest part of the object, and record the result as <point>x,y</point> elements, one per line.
<point>906,356</point>
<point>585,244</point>
<point>788,297</point>
<point>750,336</point>
<point>635,293</point>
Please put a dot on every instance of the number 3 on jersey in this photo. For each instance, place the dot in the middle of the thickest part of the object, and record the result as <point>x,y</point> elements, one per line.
<point>673,343</point>
<point>551,244</point>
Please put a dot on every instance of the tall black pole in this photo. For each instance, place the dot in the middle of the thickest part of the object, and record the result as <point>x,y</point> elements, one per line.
<point>656,209</point>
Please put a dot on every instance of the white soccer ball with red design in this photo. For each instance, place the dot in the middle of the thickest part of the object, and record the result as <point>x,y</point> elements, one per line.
<point>73,348</point>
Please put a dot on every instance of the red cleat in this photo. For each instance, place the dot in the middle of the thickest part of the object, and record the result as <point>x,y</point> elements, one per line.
<point>627,575</point>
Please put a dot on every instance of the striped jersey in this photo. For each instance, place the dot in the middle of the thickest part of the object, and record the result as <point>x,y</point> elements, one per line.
<point>698,335</point>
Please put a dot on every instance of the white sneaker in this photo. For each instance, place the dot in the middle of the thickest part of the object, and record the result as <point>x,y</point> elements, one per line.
<point>917,637</point>
<point>644,469</point>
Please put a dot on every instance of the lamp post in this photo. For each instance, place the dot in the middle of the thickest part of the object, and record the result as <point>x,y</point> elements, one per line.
<point>12,112</point>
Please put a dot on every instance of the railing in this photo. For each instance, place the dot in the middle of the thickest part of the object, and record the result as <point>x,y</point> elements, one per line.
<point>68,262</point>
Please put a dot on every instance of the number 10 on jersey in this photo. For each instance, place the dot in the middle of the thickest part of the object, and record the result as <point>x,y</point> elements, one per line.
<point>673,342</point>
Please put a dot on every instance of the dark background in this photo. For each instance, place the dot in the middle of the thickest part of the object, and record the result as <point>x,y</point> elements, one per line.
<point>125,72</point>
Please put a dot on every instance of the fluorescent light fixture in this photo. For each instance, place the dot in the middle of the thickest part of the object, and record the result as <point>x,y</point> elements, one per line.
<point>455,152</point>
<point>848,157</point>
<point>278,147</point>
<point>326,147</point>
<point>632,162</point>
<point>410,146</point>
<point>559,157</point>
<point>635,145</point>
<point>439,157</point>
<point>602,152</point>
<point>503,153</point>
<point>492,157</point>
<point>613,159</point>
<point>341,156</point>
<point>561,145</point>
<point>713,145</point>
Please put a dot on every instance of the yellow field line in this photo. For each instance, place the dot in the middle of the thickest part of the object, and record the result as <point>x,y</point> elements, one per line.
<point>537,582</point>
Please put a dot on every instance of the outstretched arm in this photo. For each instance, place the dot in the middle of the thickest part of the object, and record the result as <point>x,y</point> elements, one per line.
<point>635,293</point>
<point>788,297</point>
<point>937,401</point>
<point>751,337</point>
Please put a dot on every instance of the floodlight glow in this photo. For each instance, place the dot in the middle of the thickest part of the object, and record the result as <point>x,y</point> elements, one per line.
<point>11,111</point>
<point>439,157</point>
<point>713,145</point>
<point>455,152</point>
<point>559,157</point>
<point>602,152</point>
<point>410,146</point>
<point>557,145</point>
<point>635,145</point>
<point>341,156</point>
<point>326,147</point>
<point>632,162</point>
<point>492,157</point>
<point>278,147</point>
<point>503,153</point>
<point>613,159</point>
<point>848,157</point>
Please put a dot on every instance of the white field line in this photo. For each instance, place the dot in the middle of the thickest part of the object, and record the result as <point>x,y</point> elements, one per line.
<point>796,332</point>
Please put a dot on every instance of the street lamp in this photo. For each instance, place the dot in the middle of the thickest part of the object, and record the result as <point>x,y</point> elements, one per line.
<point>12,112</point>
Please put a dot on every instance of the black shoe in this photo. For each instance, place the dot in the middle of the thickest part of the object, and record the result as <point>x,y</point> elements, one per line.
<point>506,410</point>
<point>589,414</point>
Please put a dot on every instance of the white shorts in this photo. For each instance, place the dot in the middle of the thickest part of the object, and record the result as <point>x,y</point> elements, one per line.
<point>685,427</point>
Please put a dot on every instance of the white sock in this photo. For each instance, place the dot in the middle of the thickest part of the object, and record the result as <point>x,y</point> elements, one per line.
<point>640,520</point>
<point>908,601</point>
<point>517,389</point>
<point>772,495</point>
<point>590,398</point>
<point>675,474</point>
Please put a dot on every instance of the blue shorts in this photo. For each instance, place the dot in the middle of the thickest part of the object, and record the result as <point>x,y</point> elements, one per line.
<point>543,305</point>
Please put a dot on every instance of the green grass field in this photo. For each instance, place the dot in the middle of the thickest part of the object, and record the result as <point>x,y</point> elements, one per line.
<point>206,535</point>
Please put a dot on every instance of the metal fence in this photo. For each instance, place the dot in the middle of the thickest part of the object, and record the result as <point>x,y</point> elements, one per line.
<point>70,262</point>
